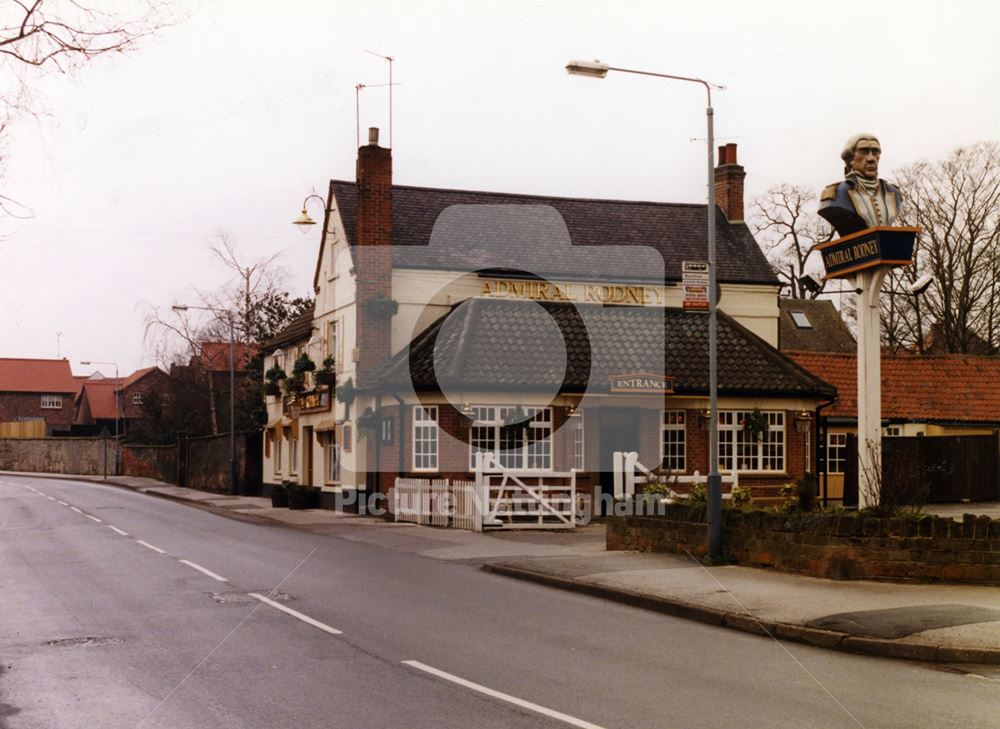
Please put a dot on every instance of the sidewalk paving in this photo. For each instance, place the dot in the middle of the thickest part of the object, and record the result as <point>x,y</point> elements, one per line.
<point>926,622</point>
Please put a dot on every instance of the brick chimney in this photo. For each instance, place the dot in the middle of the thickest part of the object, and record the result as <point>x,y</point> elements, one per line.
<point>729,183</point>
<point>373,254</point>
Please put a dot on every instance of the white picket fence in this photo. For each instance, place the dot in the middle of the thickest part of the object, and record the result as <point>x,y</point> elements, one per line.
<point>628,472</point>
<point>437,502</point>
<point>499,498</point>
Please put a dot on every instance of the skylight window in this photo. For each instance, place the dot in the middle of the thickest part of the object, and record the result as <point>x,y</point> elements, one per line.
<point>801,320</point>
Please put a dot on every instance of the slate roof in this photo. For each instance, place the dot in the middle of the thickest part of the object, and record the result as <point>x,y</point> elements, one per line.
<point>537,242</point>
<point>951,388</point>
<point>36,375</point>
<point>485,344</point>
<point>829,332</point>
<point>298,329</point>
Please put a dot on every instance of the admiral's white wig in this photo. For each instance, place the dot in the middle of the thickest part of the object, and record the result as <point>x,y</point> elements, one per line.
<point>848,153</point>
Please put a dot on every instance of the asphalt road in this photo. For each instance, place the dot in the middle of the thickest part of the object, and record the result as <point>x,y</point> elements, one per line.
<point>114,614</point>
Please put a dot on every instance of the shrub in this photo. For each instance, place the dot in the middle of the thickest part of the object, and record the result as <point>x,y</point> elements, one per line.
<point>741,497</point>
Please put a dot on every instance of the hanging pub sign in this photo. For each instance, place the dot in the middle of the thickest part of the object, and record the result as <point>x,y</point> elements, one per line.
<point>868,248</point>
<point>642,383</point>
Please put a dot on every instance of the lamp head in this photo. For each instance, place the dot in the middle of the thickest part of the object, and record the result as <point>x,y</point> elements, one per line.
<point>593,69</point>
<point>920,285</point>
<point>179,307</point>
<point>303,221</point>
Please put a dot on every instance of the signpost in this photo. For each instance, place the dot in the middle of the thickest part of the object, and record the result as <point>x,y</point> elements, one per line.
<point>695,280</point>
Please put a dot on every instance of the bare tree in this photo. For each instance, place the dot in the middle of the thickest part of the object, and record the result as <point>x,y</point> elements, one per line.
<point>60,36</point>
<point>260,307</point>
<point>956,203</point>
<point>784,220</point>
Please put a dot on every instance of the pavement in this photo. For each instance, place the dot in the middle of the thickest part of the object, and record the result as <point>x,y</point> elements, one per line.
<point>955,624</point>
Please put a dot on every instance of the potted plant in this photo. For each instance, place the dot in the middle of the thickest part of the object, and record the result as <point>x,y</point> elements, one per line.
<point>279,495</point>
<point>367,422</point>
<point>380,306</point>
<point>301,496</point>
<point>295,385</point>
<point>326,375</point>
<point>273,378</point>
<point>303,364</point>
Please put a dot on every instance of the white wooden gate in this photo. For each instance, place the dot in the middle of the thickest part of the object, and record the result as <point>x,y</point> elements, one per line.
<point>628,472</point>
<point>437,502</point>
<point>522,499</point>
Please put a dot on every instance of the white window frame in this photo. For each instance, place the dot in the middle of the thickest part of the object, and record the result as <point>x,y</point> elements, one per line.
<point>836,452</point>
<point>278,445</point>
<point>137,398</point>
<point>487,423</point>
<point>425,435</point>
<point>51,402</point>
<point>333,342</point>
<point>579,444</point>
<point>892,431</point>
<point>673,440</point>
<point>293,455</point>
<point>737,452</point>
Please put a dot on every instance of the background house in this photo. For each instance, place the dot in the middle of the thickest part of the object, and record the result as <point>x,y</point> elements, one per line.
<point>36,397</point>
<point>922,396</point>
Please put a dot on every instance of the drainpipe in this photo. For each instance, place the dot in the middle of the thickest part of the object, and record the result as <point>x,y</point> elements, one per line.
<point>400,430</point>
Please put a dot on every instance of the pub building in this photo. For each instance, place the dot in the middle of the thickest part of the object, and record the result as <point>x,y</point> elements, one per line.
<point>550,331</point>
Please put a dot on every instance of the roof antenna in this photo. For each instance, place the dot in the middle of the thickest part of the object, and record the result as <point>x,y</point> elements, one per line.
<point>390,85</point>
<point>58,350</point>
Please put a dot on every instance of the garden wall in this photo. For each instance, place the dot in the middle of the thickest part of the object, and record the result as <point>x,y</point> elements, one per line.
<point>845,546</point>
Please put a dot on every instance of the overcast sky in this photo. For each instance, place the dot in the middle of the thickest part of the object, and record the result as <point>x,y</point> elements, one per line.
<point>227,120</point>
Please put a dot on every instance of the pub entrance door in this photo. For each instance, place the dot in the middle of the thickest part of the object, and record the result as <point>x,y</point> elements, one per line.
<point>619,431</point>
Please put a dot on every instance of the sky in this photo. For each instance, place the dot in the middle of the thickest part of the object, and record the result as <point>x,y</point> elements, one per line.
<point>225,121</point>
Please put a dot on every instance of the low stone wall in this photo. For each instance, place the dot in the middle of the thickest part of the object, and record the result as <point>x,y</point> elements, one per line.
<point>152,461</point>
<point>85,456</point>
<point>840,547</point>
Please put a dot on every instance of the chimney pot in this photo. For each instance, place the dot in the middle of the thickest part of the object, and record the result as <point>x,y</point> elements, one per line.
<point>731,153</point>
<point>373,135</point>
<point>722,154</point>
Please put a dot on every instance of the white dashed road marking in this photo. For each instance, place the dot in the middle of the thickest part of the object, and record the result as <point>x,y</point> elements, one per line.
<point>296,614</point>
<point>117,530</point>
<point>552,714</point>
<point>147,545</point>
<point>93,518</point>
<point>201,569</point>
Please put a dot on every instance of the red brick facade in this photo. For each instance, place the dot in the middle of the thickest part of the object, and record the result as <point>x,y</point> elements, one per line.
<point>16,406</point>
<point>453,452</point>
<point>729,178</point>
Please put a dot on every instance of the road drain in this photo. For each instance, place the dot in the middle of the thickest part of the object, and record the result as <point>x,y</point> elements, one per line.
<point>88,640</point>
<point>242,598</point>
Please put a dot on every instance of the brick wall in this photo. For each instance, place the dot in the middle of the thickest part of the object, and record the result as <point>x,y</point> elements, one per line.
<point>373,255</point>
<point>822,545</point>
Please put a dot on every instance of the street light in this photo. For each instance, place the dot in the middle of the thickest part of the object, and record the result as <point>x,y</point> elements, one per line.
<point>304,221</point>
<point>596,69</point>
<point>118,409</point>
<point>232,385</point>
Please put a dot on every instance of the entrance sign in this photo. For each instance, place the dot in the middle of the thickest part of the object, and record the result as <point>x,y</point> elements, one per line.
<point>868,248</point>
<point>695,281</point>
<point>642,383</point>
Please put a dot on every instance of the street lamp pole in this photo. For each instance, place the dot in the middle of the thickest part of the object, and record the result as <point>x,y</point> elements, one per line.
<point>596,69</point>
<point>232,386</point>
<point>118,408</point>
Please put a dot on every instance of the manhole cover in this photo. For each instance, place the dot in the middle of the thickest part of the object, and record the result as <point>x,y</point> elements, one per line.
<point>88,640</point>
<point>242,598</point>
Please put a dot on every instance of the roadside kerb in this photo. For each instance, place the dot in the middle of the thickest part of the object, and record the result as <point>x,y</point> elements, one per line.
<point>817,637</point>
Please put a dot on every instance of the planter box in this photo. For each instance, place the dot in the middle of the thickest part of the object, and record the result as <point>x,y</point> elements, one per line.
<point>303,499</point>
<point>279,499</point>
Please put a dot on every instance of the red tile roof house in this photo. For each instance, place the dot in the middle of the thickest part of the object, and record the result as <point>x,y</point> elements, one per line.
<point>40,390</point>
<point>928,395</point>
<point>95,405</point>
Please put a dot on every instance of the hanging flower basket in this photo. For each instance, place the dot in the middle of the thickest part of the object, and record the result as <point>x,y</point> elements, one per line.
<point>755,424</point>
<point>380,306</point>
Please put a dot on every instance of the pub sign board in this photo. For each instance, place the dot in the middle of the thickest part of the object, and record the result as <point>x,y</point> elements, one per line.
<point>642,383</point>
<point>868,248</point>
